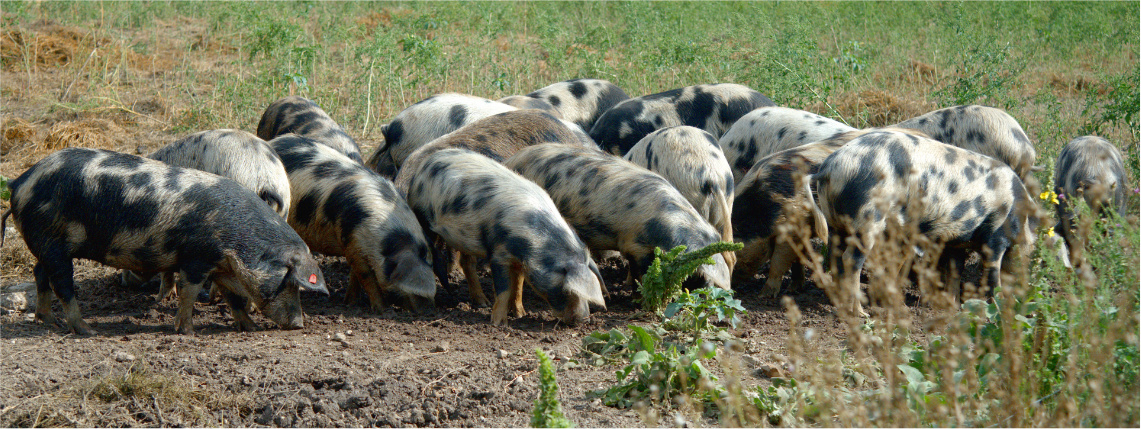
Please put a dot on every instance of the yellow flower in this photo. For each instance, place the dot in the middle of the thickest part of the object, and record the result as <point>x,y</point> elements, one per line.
<point>1050,232</point>
<point>1049,196</point>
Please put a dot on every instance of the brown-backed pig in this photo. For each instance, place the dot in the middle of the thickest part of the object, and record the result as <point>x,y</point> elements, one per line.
<point>713,108</point>
<point>1089,167</point>
<point>691,161</point>
<point>581,101</point>
<point>769,130</point>
<point>139,214</point>
<point>497,137</point>
<point>341,208</point>
<point>767,199</point>
<point>955,197</point>
<point>483,210</point>
<point>301,116</point>
<point>423,122</point>
<point>980,129</point>
<point>616,205</point>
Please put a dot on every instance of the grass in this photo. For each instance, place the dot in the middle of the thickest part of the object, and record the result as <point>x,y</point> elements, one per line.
<point>1055,348</point>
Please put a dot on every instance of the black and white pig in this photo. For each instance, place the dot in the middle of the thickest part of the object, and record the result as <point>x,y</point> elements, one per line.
<point>341,208</point>
<point>423,122</point>
<point>980,129</point>
<point>713,108</point>
<point>1089,167</point>
<point>958,198</point>
<point>616,205</point>
<point>233,154</point>
<point>525,102</point>
<point>769,199</point>
<point>301,116</point>
<point>139,214</point>
<point>769,130</point>
<point>581,101</point>
<point>497,137</point>
<point>691,161</point>
<point>483,210</point>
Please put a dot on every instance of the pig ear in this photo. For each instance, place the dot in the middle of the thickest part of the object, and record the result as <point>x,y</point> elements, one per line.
<point>308,276</point>
<point>602,283</point>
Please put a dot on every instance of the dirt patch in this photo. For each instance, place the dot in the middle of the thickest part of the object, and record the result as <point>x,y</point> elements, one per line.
<point>874,108</point>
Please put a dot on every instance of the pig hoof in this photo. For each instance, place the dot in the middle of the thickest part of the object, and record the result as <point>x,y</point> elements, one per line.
<point>480,302</point>
<point>82,329</point>
<point>246,326</point>
<point>769,291</point>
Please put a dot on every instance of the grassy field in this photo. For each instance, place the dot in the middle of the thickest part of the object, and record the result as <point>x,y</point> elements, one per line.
<point>1059,348</point>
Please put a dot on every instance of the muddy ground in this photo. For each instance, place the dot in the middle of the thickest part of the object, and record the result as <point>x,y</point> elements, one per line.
<point>395,368</point>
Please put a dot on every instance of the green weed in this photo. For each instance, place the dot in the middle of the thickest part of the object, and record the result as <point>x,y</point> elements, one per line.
<point>548,412</point>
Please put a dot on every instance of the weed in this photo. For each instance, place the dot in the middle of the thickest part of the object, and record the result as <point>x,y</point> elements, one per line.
<point>5,191</point>
<point>693,310</point>
<point>548,412</point>
<point>662,282</point>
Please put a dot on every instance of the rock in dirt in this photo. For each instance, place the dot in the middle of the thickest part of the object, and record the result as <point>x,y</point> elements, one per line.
<point>17,297</point>
<point>340,337</point>
<point>773,371</point>
<point>442,347</point>
<point>123,357</point>
<point>502,354</point>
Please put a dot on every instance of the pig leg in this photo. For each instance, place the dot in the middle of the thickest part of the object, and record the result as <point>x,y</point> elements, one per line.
<point>478,299</point>
<point>44,295</point>
<point>783,258</point>
<point>242,320</point>
<point>502,278</point>
<point>797,277</point>
<point>63,283</point>
<point>167,285</point>
<point>362,278</point>
<point>517,289</point>
<point>189,284</point>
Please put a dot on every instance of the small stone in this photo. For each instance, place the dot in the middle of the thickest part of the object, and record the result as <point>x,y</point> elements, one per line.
<point>442,347</point>
<point>339,337</point>
<point>773,371</point>
<point>123,357</point>
<point>14,301</point>
<point>349,332</point>
<point>502,354</point>
<point>751,361</point>
<point>30,317</point>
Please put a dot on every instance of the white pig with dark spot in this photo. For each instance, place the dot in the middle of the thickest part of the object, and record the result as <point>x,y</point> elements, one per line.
<point>769,130</point>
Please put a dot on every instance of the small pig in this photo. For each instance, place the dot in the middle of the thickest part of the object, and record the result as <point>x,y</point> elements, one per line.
<point>768,198</point>
<point>958,198</point>
<point>139,214</point>
<point>341,208</point>
<point>423,122</point>
<point>713,108</point>
<point>691,161</point>
<point>616,205</point>
<point>483,210</point>
<point>498,137</point>
<point>581,101</point>
<point>1089,167</point>
<point>980,129</point>
<point>301,116</point>
<point>769,130</point>
<point>524,102</point>
<point>234,154</point>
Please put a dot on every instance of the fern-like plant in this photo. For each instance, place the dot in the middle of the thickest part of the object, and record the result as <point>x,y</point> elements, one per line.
<point>662,282</point>
<point>548,412</point>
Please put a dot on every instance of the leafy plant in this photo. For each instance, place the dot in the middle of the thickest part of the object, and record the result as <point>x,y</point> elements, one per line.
<point>662,282</point>
<point>5,191</point>
<point>548,412</point>
<point>694,309</point>
<point>661,375</point>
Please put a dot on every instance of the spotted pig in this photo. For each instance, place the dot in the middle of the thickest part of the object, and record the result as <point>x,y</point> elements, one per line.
<point>769,130</point>
<point>423,122</point>
<point>581,101</point>
<point>301,116</point>
<point>980,129</point>
<point>139,214</point>
<point>1090,167</point>
<point>958,198</point>
<point>483,210</point>
<point>616,205</point>
<point>713,108</point>
<point>341,208</point>
<point>691,161</point>
<point>525,102</point>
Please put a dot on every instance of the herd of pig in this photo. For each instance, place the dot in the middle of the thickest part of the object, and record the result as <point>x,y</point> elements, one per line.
<point>536,187</point>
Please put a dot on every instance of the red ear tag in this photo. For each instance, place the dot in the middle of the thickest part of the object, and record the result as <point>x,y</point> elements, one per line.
<point>313,278</point>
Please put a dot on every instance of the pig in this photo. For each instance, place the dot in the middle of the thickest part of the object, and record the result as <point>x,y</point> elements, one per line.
<point>341,208</point>
<point>423,122</point>
<point>524,102</point>
<point>767,198</point>
<point>138,214</point>
<point>616,205</point>
<point>690,159</point>
<point>498,137</point>
<point>301,116</point>
<point>980,129</point>
<point>713,108</point>
<point>483,210</point>
<point>581,101</point>
<point>768,130</point>
<point>958,198</point>
<point>1089,167</point>
<point>234,154</point>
